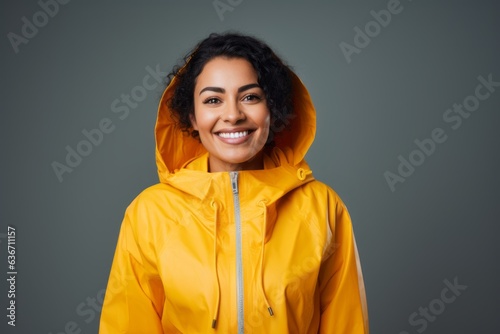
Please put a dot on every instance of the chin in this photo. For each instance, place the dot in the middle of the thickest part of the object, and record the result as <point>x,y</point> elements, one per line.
<point>238,160</point>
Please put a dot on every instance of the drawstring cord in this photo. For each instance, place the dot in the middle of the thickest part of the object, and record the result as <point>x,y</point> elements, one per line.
<point>217,305</point>
<point>269,308</point>
<point>213,204</point>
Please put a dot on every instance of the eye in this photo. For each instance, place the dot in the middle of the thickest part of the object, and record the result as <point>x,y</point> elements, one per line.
<point>252,97</point>
<point>211,100</point>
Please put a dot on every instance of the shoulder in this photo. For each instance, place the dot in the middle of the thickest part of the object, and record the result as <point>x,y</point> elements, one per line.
<point>157,201</point>
<point>323,198</point>
<point>155,213</point>
<point>159,193</point>
<point>319,188</point>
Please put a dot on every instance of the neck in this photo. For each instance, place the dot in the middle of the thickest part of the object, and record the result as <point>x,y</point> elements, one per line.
<point>256,163</point>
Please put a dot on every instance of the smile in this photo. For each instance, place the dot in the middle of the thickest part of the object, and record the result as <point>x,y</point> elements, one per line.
<point>239,134</point>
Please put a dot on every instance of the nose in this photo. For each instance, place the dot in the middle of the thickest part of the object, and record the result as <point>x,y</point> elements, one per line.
<point>232,112</point>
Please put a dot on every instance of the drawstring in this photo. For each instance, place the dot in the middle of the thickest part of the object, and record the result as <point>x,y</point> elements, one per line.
<point>269,308</point>
<point>217,305</point>
<point>216,276</point>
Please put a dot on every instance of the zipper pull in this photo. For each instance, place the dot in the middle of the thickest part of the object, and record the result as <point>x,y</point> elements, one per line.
<point>234,181</point>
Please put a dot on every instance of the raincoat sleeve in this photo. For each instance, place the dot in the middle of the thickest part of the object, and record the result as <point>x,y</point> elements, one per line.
<point>134,295</point>
<point>343,299</point>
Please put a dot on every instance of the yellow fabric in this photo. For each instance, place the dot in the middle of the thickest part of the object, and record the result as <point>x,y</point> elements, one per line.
<point>174,268</point>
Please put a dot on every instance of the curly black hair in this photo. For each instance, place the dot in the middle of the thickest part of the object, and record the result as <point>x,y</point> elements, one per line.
<point>273,75</point>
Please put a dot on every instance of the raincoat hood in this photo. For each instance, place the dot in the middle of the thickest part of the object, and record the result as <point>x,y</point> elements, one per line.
<point>175,149</point>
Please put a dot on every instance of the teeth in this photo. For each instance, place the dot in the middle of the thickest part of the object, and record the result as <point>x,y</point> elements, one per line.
<point>233,134</point>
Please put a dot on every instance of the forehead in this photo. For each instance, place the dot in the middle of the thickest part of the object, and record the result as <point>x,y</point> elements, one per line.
<point>227,72</point>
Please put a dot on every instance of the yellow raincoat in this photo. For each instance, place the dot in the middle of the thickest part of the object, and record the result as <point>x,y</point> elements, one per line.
<point>261,251</point>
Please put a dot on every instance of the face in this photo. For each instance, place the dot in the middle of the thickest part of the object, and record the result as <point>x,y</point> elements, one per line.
<point>231,114</point>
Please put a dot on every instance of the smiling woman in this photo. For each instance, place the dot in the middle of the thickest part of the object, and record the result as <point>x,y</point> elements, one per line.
<point>238,236</point>
<point>231,115</point>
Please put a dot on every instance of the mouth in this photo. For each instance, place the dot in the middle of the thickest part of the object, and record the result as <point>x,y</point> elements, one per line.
<point>234,134</point>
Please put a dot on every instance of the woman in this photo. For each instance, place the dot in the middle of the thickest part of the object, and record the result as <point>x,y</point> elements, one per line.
<point>237,237</point>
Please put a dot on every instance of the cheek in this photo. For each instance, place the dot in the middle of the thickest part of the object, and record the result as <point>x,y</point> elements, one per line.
<point>205,120</point>
<point>199,117</point>
<point>264,124</point>
<point>266,121</point>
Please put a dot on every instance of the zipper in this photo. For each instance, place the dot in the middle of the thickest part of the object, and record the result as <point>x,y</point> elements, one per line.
<point>239,257</point>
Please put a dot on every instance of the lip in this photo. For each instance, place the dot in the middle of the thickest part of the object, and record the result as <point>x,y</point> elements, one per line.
<point>234,141</point>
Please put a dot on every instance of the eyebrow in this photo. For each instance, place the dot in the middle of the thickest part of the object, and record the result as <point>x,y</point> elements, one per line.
<point>222,90</point>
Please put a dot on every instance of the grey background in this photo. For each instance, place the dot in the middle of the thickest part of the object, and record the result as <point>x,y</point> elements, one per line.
<point>441,223</point>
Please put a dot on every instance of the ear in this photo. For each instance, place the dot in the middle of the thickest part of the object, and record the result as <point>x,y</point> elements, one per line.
<point>193,122</point>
